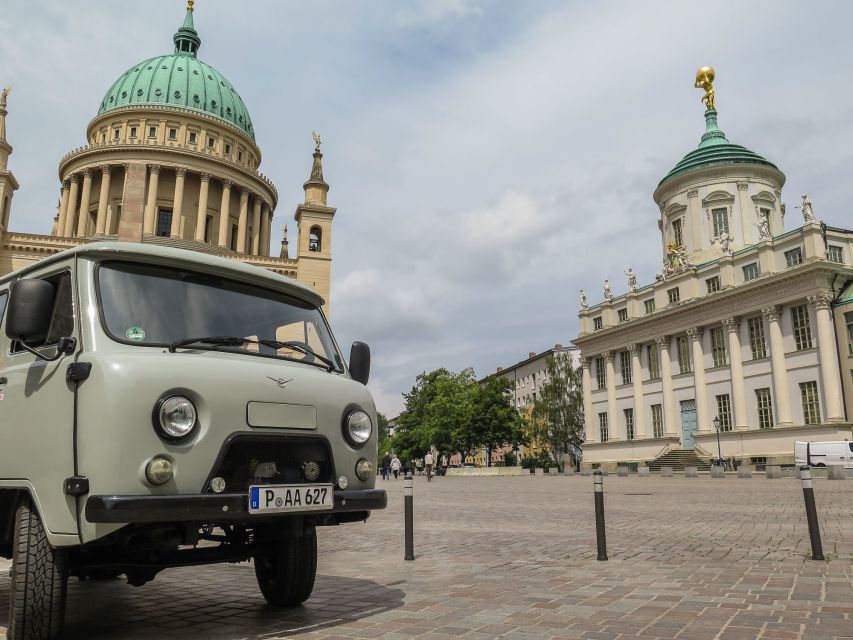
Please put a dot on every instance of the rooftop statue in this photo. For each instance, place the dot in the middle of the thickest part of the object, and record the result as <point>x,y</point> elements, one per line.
<point>4,94</point>
<point>584,304</point>
<point>725,243</point>
<point>608,291</point>
<point>676,260</point>
<point>806,208</point>
<point>704,80</point>
<point>632,280</point>
<point>317,141</point>
<point>763,226</point>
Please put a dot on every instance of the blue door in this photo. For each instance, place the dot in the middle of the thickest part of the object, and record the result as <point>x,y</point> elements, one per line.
<point>688,423</point>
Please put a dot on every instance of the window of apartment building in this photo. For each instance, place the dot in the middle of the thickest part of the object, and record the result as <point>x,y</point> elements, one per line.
<point>629,424</point>
<point>625,366</point>
<point>193,137</point>
<point>152,132</point>
<point>750,271</point>
<point>657,420</point>
<point>811,406</point>
<point>596,323</point>
<point>622,315</point>
<point>173,133</point>
<point>756,337</point>
<point>718,347</point>
<point>211,142</point>
<point>164,223</point>
<point>834,253</point>
<point>677,235</point>
<point>721,221</point>
<point>848,318</point>
<point>654,362</point>
<point>649,305</point>
<point>602,426</point>
<point>713,284</point>
<point>673,295</point>
<point>794,257</point>
<point>116,134</point>
<point>724,411</point>
<point>765,408</point>
<point>600,374</point>
<point>227,149</point>
<point>802,327</point>
<point>683,349</point>
<point>132,132</point>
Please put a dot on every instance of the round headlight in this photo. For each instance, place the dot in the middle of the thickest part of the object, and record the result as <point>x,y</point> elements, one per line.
<point>175,417</point>
<point>363,469</point>
<point>358,427</point>
<point>159,471</point>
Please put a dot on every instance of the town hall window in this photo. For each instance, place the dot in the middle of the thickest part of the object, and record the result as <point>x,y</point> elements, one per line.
<point>801,326</point>
<point>713,284</point>
<point>718,346</point>
<point>657,420</point>
<point>750,271</point>
<point>625,366</point>
<point>793,257</point>
<point>629,424</point>
<point>673,295</point>
<point>600,374</point>
<point>649,305</point>
<point>683,349</point>
<point>654,362</point>
<point>623,315</point>
<point>724,411</point>
<point>811,407</point>
<point>756,337</point>
<point>765,408</point>
<point>597,323</point>
<point>721,221</point>
<point>164,223</point>
<point>677,235</point>
<point>834,253</point>
<point>602,426</point>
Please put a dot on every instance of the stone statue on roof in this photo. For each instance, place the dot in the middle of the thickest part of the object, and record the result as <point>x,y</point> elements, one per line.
<point>725,243</point>
<point>608,291</point>
<point>4,94</point>
<point>317,140</point>
<point>584,303</point>
<point>704,80</point>
<point>632,280</point>
<point>763,226</point>
<point>806,208</point>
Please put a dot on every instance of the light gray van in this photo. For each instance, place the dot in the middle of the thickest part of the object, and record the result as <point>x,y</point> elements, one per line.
<point>163,408</point>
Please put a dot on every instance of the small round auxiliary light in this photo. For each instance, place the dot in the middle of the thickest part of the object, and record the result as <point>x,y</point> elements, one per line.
<point>363,469</point>
<point>159,471</point>
<point>311,471</point>
<point>343,482</point>
<point>217,484</point>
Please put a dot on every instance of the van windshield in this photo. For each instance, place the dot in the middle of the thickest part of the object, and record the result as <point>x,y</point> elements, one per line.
<point>157,306</point>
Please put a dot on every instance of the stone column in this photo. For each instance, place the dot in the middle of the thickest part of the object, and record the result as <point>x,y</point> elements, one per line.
<point>85,196</point>
<point>266,216</point>
<point>741,421</point>
<point>71,214</point>
<point>744,204</point>
<point>103,200</point>
<point>149,221</point>
<point>639,408</point>
<point>781,397</point>
<point>697,220</point>
<point>669,424</point>
<point>703,420</point>
<point>63,208</point>
<point>178,205</point>
<point>224,214</point>
<point>243,220</point>
<point>256,226</point>
<point>829,371</point>
<point>201,217</point>
<point>612,419</point>
<point>590,435</point>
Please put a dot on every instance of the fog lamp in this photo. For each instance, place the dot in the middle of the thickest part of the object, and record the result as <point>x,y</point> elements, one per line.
<point>159,471</point>
<point>363,469</point>
<point>343,482</point>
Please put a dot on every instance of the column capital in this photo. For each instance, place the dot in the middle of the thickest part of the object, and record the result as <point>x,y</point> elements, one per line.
<point>66,183</point>
<point>732,324</point>
<point>155,169</point>
<point>205,177</point>
<point>227,184</point>
<point>87,173</point>
<point>607,355</point>
<point>820,300</point>
<point>742,185</point>
<point>106,169</point>
<point>771,313</point>
<point>632,348</point>
<point>695,333</point>
<point>692,193</point>
<point>126,166</point>
<point>181,171</point>
<point>584,362</point>
<point>74,178</point>
<point>663,341</point>
<point>244,192</point>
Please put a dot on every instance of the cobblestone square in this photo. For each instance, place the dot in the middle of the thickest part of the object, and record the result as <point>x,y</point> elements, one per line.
<point>515,557</point>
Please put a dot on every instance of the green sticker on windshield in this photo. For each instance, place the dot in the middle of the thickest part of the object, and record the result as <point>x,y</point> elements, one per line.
<point>136,334</point>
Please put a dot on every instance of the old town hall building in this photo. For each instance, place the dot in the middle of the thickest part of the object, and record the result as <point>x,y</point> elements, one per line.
<point>748,325</point>
<point>171,158</point>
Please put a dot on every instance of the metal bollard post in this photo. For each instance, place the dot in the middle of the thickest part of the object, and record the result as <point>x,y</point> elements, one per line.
<point>811,513</point>
<point>600,538</point>
<point>408,498</point>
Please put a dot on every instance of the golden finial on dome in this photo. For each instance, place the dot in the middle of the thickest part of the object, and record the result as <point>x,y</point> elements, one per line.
<point>704,80</point>
<point>190,4</point>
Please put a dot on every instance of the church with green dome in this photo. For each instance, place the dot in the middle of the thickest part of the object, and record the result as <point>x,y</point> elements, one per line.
<point>171,157</point>
<point>742,344</point>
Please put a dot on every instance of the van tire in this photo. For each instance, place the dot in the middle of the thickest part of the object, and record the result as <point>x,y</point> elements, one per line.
<point>39,578</point>
<point>286,574</point>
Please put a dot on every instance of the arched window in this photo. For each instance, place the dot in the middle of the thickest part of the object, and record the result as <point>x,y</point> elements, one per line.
<point>315,239</point>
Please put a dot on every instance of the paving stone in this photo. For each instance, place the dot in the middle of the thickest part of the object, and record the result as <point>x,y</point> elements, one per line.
<point>666,472</point>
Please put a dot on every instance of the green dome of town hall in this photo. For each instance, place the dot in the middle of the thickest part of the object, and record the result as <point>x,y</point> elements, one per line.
<point>180,80</point>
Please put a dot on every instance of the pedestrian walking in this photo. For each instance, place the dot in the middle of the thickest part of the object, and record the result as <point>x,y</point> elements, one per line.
<point>428,462</point>
<point>396,465</point>
<point>386,466</point>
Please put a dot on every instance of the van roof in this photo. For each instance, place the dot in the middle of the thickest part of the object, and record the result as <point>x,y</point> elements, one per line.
<point>184,257</point>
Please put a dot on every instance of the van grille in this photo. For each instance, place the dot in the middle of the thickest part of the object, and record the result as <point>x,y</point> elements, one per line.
<point>259,460</point>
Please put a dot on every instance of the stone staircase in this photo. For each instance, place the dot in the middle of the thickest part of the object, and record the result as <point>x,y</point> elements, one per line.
<point>678,459</point>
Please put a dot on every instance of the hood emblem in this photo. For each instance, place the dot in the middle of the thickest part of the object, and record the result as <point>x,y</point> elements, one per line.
<point>281,382</point>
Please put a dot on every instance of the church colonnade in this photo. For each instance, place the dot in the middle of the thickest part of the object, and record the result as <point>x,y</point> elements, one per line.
<point>215,211</point>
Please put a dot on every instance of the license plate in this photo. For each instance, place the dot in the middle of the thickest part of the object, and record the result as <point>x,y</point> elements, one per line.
<point>290,497</point>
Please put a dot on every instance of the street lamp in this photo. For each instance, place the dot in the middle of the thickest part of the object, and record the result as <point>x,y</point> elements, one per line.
<point>719,460</point>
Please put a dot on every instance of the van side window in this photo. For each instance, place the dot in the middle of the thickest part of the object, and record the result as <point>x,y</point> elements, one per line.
<point>62,317</point>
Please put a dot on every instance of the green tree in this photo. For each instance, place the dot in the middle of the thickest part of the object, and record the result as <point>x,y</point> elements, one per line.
<point>496,421</point>
<point>557,416</point>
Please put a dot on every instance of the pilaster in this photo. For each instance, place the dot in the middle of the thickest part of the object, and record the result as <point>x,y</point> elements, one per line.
<point>201,214</point>
<point>699,382</point>
<point>741,421</point>
<point>178,200</point>
<point>781,392</point>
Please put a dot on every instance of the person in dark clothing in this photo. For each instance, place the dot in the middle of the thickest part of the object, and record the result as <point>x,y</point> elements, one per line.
<point>386,466</point>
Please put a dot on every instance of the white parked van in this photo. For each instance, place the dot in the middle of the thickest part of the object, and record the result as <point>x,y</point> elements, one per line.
<point>821,454</point>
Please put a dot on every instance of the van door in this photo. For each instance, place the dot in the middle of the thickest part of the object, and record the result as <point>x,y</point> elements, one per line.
<point>37,410</point>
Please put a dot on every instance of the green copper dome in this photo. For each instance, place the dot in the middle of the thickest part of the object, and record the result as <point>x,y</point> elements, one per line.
<point>714,149</point>
<point>181,80</point>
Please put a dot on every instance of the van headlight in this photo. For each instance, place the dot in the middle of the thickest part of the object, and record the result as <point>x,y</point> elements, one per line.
<point>175,417</point>
<point>357,427</point>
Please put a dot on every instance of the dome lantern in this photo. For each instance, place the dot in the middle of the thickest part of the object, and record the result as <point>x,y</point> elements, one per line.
<point>186,38</point>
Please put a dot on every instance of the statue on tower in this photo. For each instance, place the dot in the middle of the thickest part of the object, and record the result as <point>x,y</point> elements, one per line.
<point>608,291</point>
<point>806,208</point>
<point>763,225</point>
<point>4,94</point>
<point>317,141</point>
<point>704,80</point>
<point>584,303</point>
<point>632,280</point>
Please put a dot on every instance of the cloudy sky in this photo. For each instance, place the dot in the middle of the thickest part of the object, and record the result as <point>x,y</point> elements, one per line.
<point>487,158</point>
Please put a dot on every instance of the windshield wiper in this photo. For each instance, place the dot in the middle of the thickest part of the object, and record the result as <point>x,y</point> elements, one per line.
<point>235,341</point>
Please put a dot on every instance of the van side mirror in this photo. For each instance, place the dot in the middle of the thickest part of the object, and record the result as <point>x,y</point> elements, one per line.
<point>359,362</point>
<point>30,309</point>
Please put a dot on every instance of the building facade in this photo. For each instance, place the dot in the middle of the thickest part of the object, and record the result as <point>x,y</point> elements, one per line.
<point>171,158</point>
<point>747,323</point>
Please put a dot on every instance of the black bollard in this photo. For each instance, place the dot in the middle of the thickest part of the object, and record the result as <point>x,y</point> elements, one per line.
<point>598,486</point>
<point>408,498</point>
<point>811,513</point>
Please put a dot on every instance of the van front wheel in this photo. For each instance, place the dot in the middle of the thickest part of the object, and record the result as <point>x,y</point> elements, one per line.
<point>39,579</point>
<point>286,573</point>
